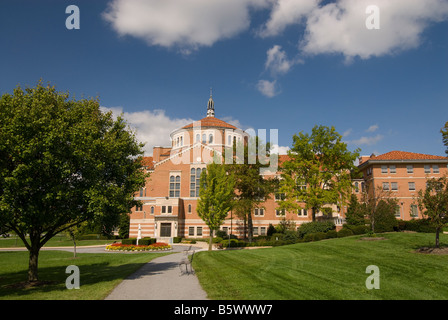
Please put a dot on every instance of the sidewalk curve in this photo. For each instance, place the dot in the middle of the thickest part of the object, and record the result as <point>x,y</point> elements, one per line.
<point>160,279</point>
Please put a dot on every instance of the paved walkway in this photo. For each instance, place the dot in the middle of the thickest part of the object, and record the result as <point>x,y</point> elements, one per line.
<point>160,279</point>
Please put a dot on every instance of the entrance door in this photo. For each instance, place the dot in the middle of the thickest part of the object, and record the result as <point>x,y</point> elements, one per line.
<point>165,229</point>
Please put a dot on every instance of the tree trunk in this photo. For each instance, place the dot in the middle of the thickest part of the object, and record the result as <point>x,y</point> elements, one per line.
<point>437,237</point>
<point>313,214</point>
<point>250,229</point>
<point>33,263</point>
<point>210,243</point>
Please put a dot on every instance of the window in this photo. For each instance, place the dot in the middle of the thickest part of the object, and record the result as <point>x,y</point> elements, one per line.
<point>191,231</point>
<point>170,209</point>
<point>189,208</point>
<point>394,186</point>
<point>279,196</point>
<point>198,137</point>
<point>411,186</point>
<point>427,168</point>
<point>435,168</point>
<point>139,207</point>
<point>195,175</point>
<point>385,186</point>
<point>229,140</point>
<point>199,231</point>
<point>152,210</point>
<point>181,141</point>
<point>356,187</point>
<point>392,169</point>
<point>262,231</point>
<point>210,138</point>
<point>279,212</point>
<point>397,211</point>
<point>410,168</point>
<point>259,212</point>
<point>175,186</point>
<point>383,169</point>
<point>163,209</point>
<point>302,212</point>
<point>204,138</point>
<point>142,192</point>
<point>255,231</point>
<point>414,211</point>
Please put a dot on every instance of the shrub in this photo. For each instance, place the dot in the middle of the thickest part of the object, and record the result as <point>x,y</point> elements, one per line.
<point>313,227</point>
<point>129,241</point>
<point>332,234</point>
<point>385,220</point>
<point>233,243</point>
<point>177,239</point>
<point>419,225</point>
<point>344,232</point>
<point>359,229</point>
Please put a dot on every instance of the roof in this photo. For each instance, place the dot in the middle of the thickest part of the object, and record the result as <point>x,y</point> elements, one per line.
<point>148,162</point>
<point>210,122</point>
<point>402,155</point>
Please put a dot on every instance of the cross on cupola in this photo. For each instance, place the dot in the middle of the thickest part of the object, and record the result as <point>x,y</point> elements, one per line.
<point>210,106</point>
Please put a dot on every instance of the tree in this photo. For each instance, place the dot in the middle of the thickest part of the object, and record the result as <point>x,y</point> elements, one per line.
<point>318,171</point>
<point>433,203</point>
<point>251,188</point>
<point>62,162</point>
<point>356,212</point>
<point>215,197</point>
<point>379,205</point>
<point>444,132</point>
<point>385,220</point>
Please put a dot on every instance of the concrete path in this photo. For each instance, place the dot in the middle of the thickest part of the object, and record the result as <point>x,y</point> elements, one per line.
<point>160,279</point>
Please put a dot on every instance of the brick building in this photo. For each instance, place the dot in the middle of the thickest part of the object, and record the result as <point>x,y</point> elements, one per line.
<point>400,175</point>
<point>171,193</point>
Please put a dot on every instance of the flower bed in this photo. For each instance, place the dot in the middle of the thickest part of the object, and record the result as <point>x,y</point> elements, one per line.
<point>158,246</point>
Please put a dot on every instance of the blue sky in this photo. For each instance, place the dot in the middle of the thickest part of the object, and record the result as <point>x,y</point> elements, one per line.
<point>272,64</point>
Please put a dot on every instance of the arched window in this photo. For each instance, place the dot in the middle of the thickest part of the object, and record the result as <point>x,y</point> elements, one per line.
<point>152,210</point>
<point>204,138</point>
<point>210,138</point>
<point>189,208</point>
<point>198,137</point>
<point>181,141</point>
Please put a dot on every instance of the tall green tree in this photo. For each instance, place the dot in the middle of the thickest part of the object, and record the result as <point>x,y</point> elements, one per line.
<point>356,212</point>
<point>444,132</point>
<point>251,188</point>
<point>433,203</point>
<point>216,193</point>
<point>62,162</point>
<point>318,171</point>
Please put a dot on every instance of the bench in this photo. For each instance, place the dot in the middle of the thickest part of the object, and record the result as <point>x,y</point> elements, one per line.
<point>186,261</point>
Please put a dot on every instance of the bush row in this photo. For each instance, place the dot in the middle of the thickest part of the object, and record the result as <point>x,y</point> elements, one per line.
<point>143,241</point>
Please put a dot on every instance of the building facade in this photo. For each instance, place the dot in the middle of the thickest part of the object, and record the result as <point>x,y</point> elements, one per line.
<point>169,198</point>
<point>400,175</point>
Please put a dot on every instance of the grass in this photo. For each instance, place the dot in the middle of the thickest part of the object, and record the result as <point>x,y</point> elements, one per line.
<point>330,269</point>
<point>57,241</point>
<point>99,274</point>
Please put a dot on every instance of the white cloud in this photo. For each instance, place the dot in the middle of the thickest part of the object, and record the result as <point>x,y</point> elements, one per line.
<point>277,61</point>
<point>285,13</point>
<point>186,24</point>
<point>372,128</point>
<point>347,132</point>
<point>340,27</point>
<point>279,149</point>
<point>151,127</point>
<point>268,88</point>
<point>367,140</point>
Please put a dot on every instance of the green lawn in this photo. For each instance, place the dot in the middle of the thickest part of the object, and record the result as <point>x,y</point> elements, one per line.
<point>328,269</point>
<point>57,241</point>
<point>99,274</point>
